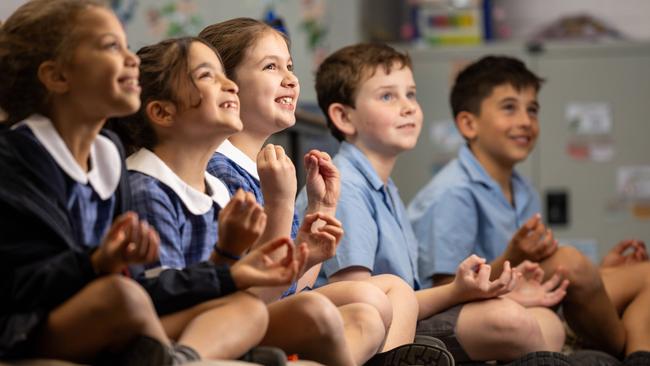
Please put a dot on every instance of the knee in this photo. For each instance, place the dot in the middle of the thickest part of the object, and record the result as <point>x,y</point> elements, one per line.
<point>372,295</point>
<point>252,308</point>
<point>320,315</point>
<point>366,319</point>
<point>123,299</point>
<point>579,270</point>
<point>511,323</point>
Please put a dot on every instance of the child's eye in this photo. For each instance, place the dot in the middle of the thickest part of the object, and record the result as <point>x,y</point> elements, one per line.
<point>206,75</point>
<point>387,97</point>
<point>533,111</point>
<point>411,95</point>
<point>270,66</point>
<point>290,67</point>
<point>113,46</point>
<point>509,108</point>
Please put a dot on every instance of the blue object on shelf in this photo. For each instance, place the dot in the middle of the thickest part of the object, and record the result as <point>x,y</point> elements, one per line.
<point>275,21</point>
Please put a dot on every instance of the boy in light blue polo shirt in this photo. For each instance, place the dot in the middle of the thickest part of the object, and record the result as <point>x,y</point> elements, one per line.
<point>478,204</point>
<point>368,95</point>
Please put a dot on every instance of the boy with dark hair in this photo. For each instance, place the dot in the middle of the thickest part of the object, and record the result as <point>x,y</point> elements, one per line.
<point>368,94</point>
<point>478,204</point>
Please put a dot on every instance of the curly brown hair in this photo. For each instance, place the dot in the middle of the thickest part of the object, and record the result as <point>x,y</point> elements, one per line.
<point>38,31</point>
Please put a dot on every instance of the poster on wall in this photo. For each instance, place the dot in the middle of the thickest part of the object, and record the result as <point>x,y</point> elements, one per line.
<point>633,188</point>
<point>590,131</point>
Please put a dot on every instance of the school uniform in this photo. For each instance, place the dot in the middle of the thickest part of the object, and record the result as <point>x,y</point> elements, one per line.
<point>233,167</point>
<point>378,237</point>
<point>53,216</point>
<point>462,211</point>
<point>185,218</point>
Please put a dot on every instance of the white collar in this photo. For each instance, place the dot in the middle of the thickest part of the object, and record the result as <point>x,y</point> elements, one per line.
<point>233,153</point>
<point>105,160</point>
<point>197,202</point>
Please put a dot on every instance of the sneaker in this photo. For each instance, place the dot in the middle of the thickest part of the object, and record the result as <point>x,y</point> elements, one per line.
<point>430,341</point>
<point>267,356</point>
<point>542,358</point>
<point>637,358</point>
<point>588,357</point>
<point>413,354</point>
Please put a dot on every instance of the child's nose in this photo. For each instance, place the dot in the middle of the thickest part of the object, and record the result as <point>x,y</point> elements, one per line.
<point>290,80</point>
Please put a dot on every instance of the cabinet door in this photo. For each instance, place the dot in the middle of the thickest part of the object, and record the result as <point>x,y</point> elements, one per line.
<point>618,76</point>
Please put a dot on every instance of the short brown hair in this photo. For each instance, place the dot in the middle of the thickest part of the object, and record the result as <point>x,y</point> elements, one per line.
<point>233,37</point>
<point>164,70</point>
<point>477,81</point>
<point>339,76</point>
<point>38,31</point>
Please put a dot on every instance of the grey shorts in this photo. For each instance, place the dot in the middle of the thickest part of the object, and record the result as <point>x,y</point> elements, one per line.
<point>443,327</point>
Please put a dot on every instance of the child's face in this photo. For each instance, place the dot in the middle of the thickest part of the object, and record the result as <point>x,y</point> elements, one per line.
<point>269,88</point>
<point>102,74</point>
<point>387,117</point>
<point>218,110</point>
<point>507,126</point>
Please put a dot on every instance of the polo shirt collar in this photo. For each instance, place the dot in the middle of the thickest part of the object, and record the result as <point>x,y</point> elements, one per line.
<point>105,160</point>
<point>477,173</point>
<point>197,202</point>
<point>357,158</point>
<point>233,153</point>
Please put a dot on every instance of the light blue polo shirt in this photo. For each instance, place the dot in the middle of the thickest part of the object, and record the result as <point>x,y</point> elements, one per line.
<point>463,211</point>
<point>378,235</point>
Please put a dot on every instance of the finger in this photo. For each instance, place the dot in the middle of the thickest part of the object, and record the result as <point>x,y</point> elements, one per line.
<point>121,226</point>
<point>551,283</point>
<point>516,277</point>
<point>143,244</point>
<point>553,298</point>
<point>301,262</point>
<point>279,153</point>
<point>309,219</point>
<point>549,250</point>
<point>623,245</point>
<point>538,274</point>
<point>506,274</point>
<point>470,263</point>
<point>272,245</point>
<point>269,153</point>
<point>483,277</point>
<point>335,231</point>
<point>154,246</point>
<point>329,219</point>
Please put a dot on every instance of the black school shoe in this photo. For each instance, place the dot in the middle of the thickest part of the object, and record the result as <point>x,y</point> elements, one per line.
<point>413,354</point>
<point>267,356</point>
<point>638,358</point>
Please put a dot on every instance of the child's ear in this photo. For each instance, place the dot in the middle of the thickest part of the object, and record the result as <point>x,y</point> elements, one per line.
<point>51,75</point>
<point>467,125</point>
<point>340,116</point>
<point>161,112</point>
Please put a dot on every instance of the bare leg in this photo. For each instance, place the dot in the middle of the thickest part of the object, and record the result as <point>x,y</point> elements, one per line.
<point>629,288</point>
<point>310,325</point>
<point>498,329</point>
<point>224,328</point>
<point>405,309</point>
<point>551,327</point>
<point>118,309</point>
<point>364,330</point>
<point>587,307</point>
<point>348,292</point>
